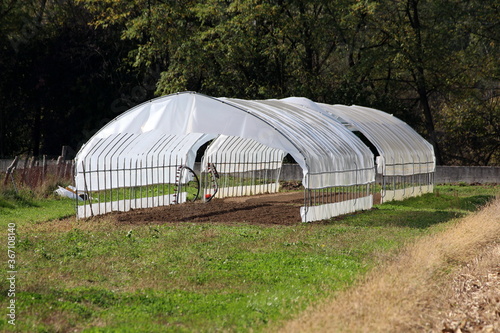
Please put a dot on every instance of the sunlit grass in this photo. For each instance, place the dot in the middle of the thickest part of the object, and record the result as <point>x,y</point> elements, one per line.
<point>130,193</point>
<point>25,210</point>
<point>78,274</point>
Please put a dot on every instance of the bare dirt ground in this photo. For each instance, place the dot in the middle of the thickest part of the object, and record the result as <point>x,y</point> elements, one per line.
<point>447,282</point>
<point>280,208</point>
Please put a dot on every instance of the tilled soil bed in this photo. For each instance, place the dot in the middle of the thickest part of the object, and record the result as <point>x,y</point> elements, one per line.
<point>280,208</point>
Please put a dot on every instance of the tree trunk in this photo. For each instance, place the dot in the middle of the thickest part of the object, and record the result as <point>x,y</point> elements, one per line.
<point>428,118</point>
<point>419,76</point>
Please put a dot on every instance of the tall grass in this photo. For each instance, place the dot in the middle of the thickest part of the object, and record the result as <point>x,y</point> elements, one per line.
<point>100,276</point>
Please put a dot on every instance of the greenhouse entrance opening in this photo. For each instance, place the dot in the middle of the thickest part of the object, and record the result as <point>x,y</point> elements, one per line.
<point>233,166</point>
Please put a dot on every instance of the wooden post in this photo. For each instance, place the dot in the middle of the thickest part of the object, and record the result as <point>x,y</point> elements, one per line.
<point>35,172</point>
<point>64,152</point>
<point>10,170</point>
<point>30,177</point>
<point>44,168</point>
<point>25,167</point>
<point>59,167</point>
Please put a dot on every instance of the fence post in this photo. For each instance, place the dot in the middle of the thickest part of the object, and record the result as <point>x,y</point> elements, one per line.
<point>34,172</point>
<point>25,168</point>
<point>59,168</point>
<point>10,170</point>
<point>44,168</point>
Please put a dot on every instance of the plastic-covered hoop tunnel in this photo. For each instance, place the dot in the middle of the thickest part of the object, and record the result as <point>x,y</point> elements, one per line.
<point>132,161</point>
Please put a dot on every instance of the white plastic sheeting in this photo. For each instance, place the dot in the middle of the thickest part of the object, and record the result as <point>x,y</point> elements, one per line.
<point>112,159</point>
<point>234,154</point>
<point>329,154</point>
<point>125,205</point>
<point>245,166</point>
<point>320,212</point>
<point>147,144</point>
<point>402,150</point>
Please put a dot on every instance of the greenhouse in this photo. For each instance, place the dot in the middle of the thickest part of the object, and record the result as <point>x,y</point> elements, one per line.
<point>146,156</point>
<point>404,160</point>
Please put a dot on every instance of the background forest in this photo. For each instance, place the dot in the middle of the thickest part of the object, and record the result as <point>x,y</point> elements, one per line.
<point>69,66</point>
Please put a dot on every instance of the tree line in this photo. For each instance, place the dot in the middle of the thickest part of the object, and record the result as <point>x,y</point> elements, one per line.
<point>69,66</point>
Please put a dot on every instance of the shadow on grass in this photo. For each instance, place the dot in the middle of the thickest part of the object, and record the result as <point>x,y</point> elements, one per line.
<point>12,200</point>
<point>6,204</point>
<point>445,202</point>
<point>393,218</point>
<point>421,212</point>
<point>476,202</point>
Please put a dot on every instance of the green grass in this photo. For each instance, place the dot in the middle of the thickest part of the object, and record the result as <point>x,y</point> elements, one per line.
<point>25,209</point>
<point>130,193</point>
<point>99,277</point>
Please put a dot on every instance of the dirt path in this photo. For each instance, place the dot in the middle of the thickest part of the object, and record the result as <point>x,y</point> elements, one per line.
<point>449,282</point>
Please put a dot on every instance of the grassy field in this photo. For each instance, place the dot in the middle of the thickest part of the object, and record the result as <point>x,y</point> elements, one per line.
<point>96,276</point>
<point>441,282</point>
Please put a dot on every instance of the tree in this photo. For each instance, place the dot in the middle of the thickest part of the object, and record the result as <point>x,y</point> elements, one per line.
<point>471,129</point>
<point>433,64</point>
<point>428,56</point>
<point>60,77</point>
<point>470,117</point>
<point>259,49</point>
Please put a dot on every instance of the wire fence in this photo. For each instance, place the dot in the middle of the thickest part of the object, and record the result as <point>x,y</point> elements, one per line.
<point>403,187</point>
<point>240,183</point>
<point>134,184</point>
<point>334,201</point>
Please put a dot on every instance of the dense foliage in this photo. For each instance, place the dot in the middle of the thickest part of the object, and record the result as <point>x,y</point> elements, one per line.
<point>66,67</point>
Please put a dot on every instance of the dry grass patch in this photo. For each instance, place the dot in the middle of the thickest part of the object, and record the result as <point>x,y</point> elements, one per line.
<point>413,292</point>
<point>471,302</point>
